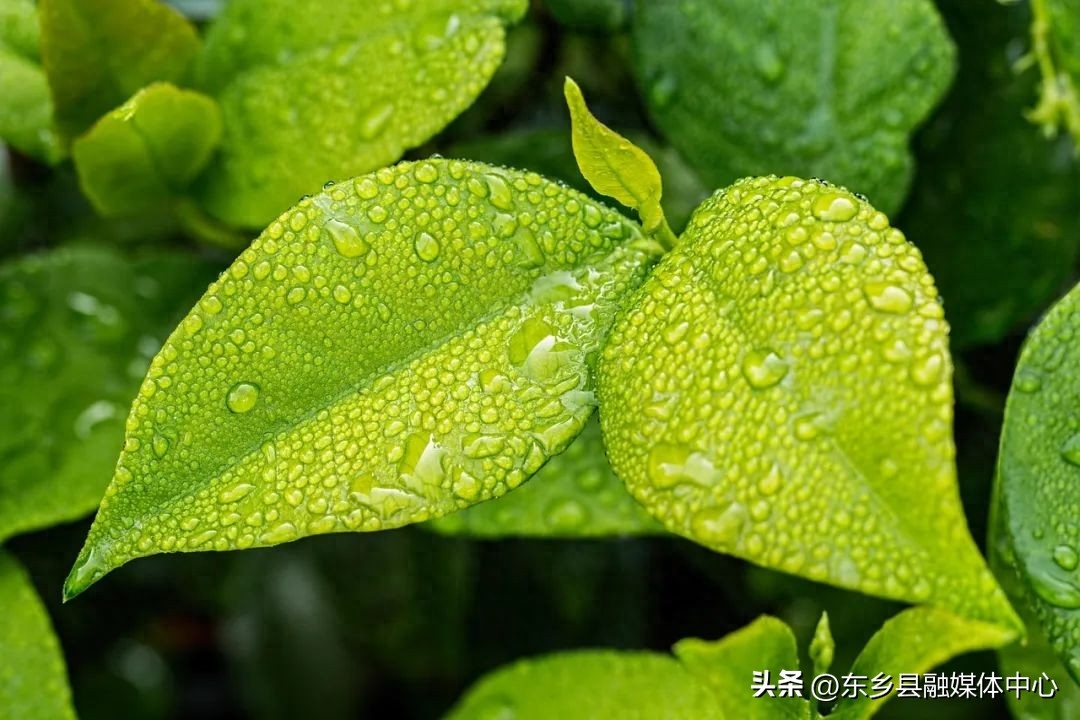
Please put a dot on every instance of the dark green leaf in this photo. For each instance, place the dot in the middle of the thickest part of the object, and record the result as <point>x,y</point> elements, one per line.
<point>397,347</point>
<point>98,53</point>
<point>77,330</point>
<point>339,89</point>
<point>807,87</point>
<point>147,150</point>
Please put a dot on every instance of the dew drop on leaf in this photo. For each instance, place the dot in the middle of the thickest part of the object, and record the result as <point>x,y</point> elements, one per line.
<point>242,397</point>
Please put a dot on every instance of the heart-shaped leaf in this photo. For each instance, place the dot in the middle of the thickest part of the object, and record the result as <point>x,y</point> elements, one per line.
<point>393,349</point>
<point>1039,477</point>
<point>336,90</point>
<point>826,88</point>
<point>779,389</point>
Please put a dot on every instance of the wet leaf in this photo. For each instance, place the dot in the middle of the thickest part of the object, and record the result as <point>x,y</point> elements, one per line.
<point>26,114</point>
<point>77,329</point>
<point>1038,492</point>
<point>33,681</point>
<point>779,389</point>
<point>728,665</point>
<point>393,349</point>
<point>98,53</point>
<point>147,150</point>
<point>822,646</point>
<point>915,641</point>
<point>589,685</point>
<point>828,89</point>
<point>576,494</point>
<point>337,90</point>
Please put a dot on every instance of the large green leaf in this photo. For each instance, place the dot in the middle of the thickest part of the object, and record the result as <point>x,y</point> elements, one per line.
<point>77,329</point>
<point>826,88</point>
<point>98,53</point>
<point>1039,477</point>
<point>147,150</point>
<point>589,685</point>
<point>397,347</point>
<point>779,389</point>
<point>576,494</point>
<point>1000,230</point>
<point>33,681</point>
<point>26,121</point>
<point>338,89</point>
<point>727,667</point>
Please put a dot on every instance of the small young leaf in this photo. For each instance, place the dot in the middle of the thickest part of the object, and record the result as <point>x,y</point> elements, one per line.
<point>826,88</point>
<point>576,494</point>
<point>1039,476</point>
<point>590,685</point>
<point>612,164</point>
<point>779,389</point>
<point>727,667</point>
<point>77,329</point>
<point>98,53</point>
<point>33,680</point>
<point>822,647</point>
<point>147,150</point>
<point>26,121</point>
<point>1055,34</point>
<point>339,89</point>
<point>393,349</point>
<point>915,641</point>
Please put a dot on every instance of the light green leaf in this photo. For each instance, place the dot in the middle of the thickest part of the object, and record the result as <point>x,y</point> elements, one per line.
<point>779,389</point>
<point>613,165</point>
<point>1039,476</point>
<point>393,349</point>
<point>915,641</point>
<point>727,666</point>
<point>147,150</point>
<point>77,329</point>
<point>589,685</point>
<point>826,88</point>
<point>822,647</point>
<point>98,53</point>
<point>339,89</point>
<point>26,112</point>
<point>33,680</point>
<point>576,494</point>
<point>1055,35</point>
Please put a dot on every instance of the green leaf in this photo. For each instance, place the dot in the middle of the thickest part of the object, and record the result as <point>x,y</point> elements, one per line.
<point>397,347</point>
<point>613,165</point>
<point>576,494</point>
<point>589,685</point>
<point>33,681</point>
<point>1038,473</point>
<point>1055,34</point>
<point>915,641</point>
<point>98,53</point>
<point>999,231</point>
<point>592,16</point>
<point>26,112</point>
<point>77,329</point>
<point>822,646</point>
<point>147,150</point>
<point>779,389</point>
<point>727,666</point>
<point>337,90</point>
<point>805,87</point>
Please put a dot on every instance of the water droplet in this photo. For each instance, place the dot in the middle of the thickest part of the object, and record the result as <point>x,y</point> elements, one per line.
<point>770,484</point>
<point>426,246</point>
<point>1070,450</point>
<point>887,298</point>
<point>426,172</point>
<point>566,514</point>
<point>1055,590</point>
<point>375,121</point>
<point>768,63</point>
<point>235,493</point>
<point>1028,381</point>
<point>719,526</point>
<point>347,240</point>
<point>834,207</point>
<point>763,368</point>
<point>93,416</point>
<point>282,533</point>
<point>242,397</point>
<point>807,427</point>
<point>499,192</point>
<point>422,459</point>
<point>478,446</point>
<point>377,214</point>
<point>671,465</point>
<point>160,445</point>
<point>927,371</point>
<point>1066,557</point>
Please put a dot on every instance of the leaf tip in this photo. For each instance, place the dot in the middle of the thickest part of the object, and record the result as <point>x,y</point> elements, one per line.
<point>89,567</point>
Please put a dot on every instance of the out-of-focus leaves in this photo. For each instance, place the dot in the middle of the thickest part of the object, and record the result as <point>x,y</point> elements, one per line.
<point>337,90</point>
<point>576,494</point>
<point>77,329</point>
<point>98,53</point>
<point>1056,50</point>
<point>26,112</point>
<point>33,681</point>
<point>802,87</point>
<point>147,150</point>
<point>996,208</point>
<point>592,16</point>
